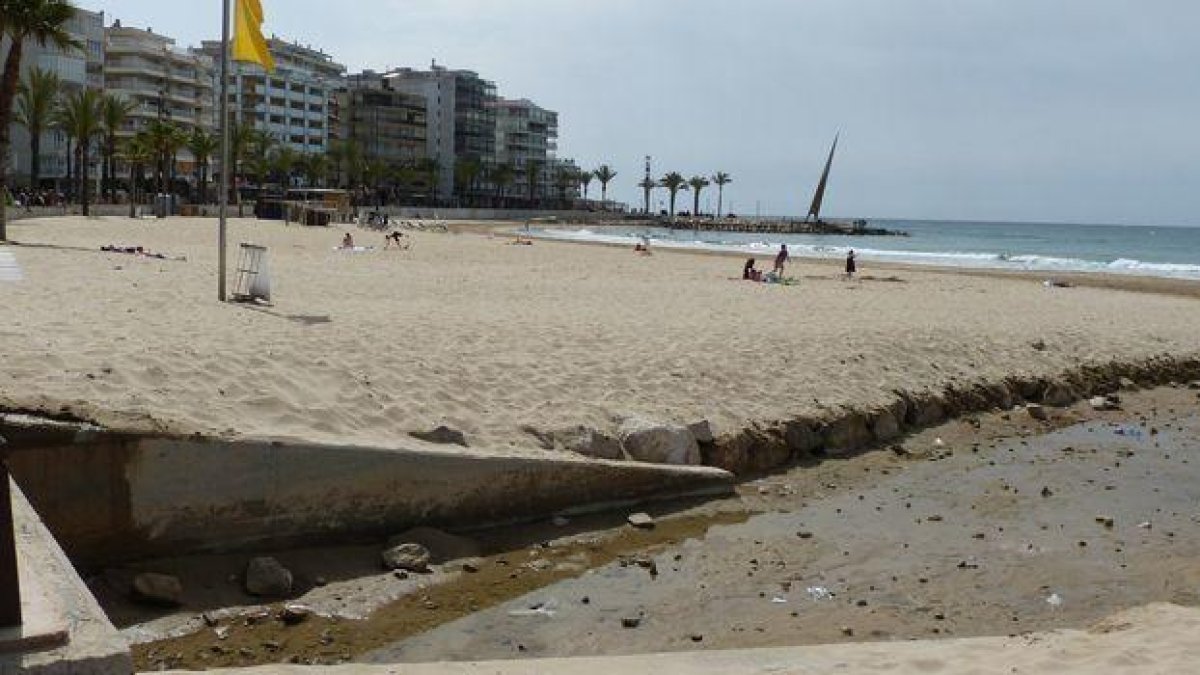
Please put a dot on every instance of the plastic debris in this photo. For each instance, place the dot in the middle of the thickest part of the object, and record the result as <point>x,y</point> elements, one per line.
<point>1055,600</point>
<point>819,593</point>
<point>547,609</point>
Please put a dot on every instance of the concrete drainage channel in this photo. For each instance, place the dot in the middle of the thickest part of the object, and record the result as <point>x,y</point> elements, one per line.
<point>112,497</point>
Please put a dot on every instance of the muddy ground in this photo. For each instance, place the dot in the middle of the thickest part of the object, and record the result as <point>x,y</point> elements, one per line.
<point>991,525</point>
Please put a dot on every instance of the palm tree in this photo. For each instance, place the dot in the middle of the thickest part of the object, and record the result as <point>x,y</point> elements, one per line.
<point>113,112</point>
<point>721,180</point>
<point>502,177</point>
<point>137,152</point>
<point>585,181</point>
<point>37,97</point>
<point>673,182</point>
<point>283,161</point>
<point>648,184</point>
<point>314,166</point>
<point>563,180</point>
<point>698,184</point>
<point>203,145</point>
<point>347,159</point>
<point>533,176</point>
<point>604,174</point>
<point>80,117</point>
<point>43,22</point>
<point>160,133</point>
<point>259,147</point>
<point>466,171</point>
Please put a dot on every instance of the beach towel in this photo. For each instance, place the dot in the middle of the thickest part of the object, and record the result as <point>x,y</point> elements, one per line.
<point>9,270</point>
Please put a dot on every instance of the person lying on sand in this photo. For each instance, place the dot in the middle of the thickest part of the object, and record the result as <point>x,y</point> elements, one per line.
<point>138,251</point>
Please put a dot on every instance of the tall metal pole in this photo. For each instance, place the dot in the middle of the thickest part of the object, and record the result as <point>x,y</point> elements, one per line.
<point>10,586</point>
<point>223,201</point>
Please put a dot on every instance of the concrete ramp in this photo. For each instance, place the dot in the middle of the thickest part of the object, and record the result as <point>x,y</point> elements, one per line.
<point>111,497</point>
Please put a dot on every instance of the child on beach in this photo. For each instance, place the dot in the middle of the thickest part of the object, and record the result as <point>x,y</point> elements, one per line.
<point>348,241</point>
<point>851,265</point>
<point>781,260</point>
<point>748,270</point>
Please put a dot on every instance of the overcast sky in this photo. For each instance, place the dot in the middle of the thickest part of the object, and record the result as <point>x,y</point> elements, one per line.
<point>1038,110</point>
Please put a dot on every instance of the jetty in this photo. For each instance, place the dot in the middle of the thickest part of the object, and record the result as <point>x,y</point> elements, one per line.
<point>780,226</point>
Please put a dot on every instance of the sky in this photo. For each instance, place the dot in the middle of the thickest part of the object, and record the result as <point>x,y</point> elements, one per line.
<point>1030,110</point>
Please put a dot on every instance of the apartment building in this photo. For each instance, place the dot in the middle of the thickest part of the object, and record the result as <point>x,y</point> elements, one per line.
<point>526,133</point>
<point>163,81</point>
<point>76,68</point>
<point>390,126</point>
<point>460,120</point>
<point>296,104</point>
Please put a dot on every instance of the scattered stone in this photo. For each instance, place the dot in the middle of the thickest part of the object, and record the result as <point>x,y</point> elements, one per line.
<point>847,631</point>
<point>1039,345</point>
<point>471,566</point>
<point>583,441</point>
<point>162,590</point>
<point>805,535</point>
<point>696,637</point>
<point>442,546</point>
<point>1194,385</point>
<point>1037,412</point>
<point>642,521</point>
<point>400,574</point>
<point>1102,403</point>
<point>294,614</point>
<point>411,557</point>
<point>935,518</point>
<point>1047,492</point>
<point>1107,521</point>
<point>631,622</point>
<point>267,577</point>
<point>222,632</point>
<point>1059,395</point>
<point>209,620</point>
<point>657,443</point>
<point>320,582</point>
<point>442,435</point>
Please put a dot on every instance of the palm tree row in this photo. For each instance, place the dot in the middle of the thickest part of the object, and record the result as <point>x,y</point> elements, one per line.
<point>41,22</point>
<point>674,183</point>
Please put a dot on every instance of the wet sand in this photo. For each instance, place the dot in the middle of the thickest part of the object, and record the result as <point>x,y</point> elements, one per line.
<point>974,536</point>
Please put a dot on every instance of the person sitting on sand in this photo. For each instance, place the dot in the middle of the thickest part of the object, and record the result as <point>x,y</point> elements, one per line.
<point>348,241</point>
<point>781,260</point>
<point>748,270</point>
<point>851,265</point>
<point>644,246</point>
<point>397,238</point>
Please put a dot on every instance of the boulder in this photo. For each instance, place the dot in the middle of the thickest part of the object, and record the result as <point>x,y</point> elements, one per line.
<point>162,590</point>
<point>847,434</point>
<point>588,442</point>
<point>748,451</point>
<point>802,438</point>
<point>702,431</point>
<point>441,546</point>
<point>657,443</point>
<point>885,426</point>
<point>1059,395</point>
<point>442,435</point>
<point>1037,412</point>
<point>925,411</point>
<point>409,557</point>
<point>267,577</point>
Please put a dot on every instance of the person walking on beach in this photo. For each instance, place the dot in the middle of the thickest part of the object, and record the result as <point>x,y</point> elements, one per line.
<point>781,260</point>
<point>851,265</point>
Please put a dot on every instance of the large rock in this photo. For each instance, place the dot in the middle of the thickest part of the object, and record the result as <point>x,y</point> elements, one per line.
<point>885,426</point>
<point>925,411</point>
<point>267,577</point>
<point>658,443</point>
<point>703,432</point>
<point>847,434</point>
<point>1059,395</point>
<point>441,546</point>
<point>748,451</point>
<point>442,435</point>
<point>409,557</point>
<point>802,438</point>
<point>588,442</point>
<point>163,590</point>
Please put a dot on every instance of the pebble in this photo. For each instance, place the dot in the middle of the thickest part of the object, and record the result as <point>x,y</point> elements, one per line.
<point>642,521</point>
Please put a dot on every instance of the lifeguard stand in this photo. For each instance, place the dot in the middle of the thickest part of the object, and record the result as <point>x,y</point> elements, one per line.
<point>253,282</point>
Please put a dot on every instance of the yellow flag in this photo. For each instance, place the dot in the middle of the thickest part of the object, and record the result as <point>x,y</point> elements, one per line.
<point>248,42</point>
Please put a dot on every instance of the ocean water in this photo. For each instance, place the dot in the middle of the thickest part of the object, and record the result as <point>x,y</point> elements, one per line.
<point>1114,249</point>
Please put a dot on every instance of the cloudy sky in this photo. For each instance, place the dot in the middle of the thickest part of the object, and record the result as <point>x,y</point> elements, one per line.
<point>1039,110</point>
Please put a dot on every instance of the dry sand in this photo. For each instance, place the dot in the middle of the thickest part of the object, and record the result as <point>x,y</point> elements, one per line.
<point>467,331</point>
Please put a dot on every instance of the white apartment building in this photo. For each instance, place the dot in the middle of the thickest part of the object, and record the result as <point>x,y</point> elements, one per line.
<point>76,68</point>
<point>526,132</point>
<point>295,104</point>
<point>163,81</point>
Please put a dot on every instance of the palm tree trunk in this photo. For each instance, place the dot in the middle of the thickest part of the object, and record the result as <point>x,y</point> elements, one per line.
<point>720,199</point>
<point>8,92</point>
<point>695,203</point>
<point>70,167</point>
<point>83,176</point>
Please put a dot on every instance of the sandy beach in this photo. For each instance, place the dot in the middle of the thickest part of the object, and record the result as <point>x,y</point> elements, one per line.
<point>491,339</point>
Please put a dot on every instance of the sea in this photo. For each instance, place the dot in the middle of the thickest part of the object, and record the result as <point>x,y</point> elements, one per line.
<point>1159,251</point>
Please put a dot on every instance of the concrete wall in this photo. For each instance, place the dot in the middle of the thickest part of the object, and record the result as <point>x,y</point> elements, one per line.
<point>55,598</point>
<point>110,497</point>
